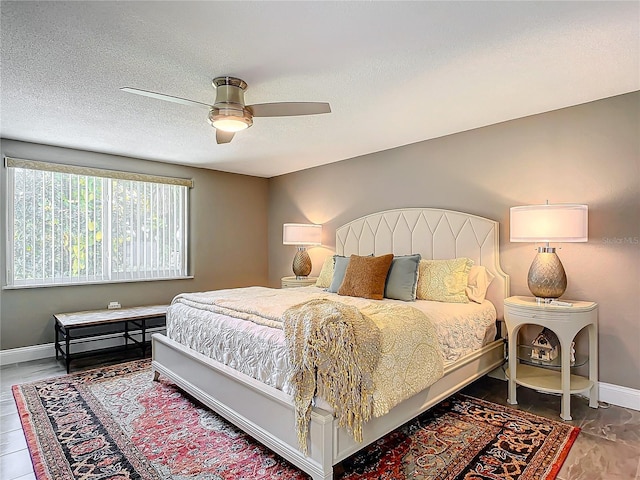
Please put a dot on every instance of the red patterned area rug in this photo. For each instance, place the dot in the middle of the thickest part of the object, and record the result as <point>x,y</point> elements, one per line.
<point>116,423</point>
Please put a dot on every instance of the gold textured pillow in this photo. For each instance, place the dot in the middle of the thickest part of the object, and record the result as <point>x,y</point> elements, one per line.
<point>326,274</point>
<point>366,276</point>
<point>444,280</point>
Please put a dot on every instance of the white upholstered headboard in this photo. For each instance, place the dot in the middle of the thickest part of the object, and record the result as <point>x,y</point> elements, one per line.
<point>433,233</point>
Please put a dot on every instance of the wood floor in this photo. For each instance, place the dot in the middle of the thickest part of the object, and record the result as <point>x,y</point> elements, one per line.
<point>607,448</point>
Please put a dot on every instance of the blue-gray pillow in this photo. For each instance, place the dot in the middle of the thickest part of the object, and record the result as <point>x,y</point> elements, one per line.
<point>402,280</point>
<point>339,269</point>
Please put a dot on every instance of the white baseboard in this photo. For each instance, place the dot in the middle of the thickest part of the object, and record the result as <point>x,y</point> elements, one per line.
<point>621,396</point>
<point>47,350</point>
<point>498,373</point>
<point>25,354</point>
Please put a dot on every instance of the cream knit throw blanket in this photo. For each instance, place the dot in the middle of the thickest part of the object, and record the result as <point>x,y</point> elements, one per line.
<point>334,350</point>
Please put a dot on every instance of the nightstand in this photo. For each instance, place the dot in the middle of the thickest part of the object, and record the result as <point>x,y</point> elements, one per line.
<point>565,322</point>
<point>291,282</point>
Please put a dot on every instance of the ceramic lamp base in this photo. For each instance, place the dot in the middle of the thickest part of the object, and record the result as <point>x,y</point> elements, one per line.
<point>547,278</point>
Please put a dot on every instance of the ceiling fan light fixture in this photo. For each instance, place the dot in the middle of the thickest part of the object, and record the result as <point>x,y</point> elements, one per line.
<point>230,119</point>
<point>229,114</point>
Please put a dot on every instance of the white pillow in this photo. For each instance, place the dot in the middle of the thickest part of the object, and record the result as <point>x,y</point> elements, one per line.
<point>479,280</point>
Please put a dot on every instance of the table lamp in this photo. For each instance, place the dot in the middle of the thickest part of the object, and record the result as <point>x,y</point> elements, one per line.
<point>302,235</point>
<point>547,279</point>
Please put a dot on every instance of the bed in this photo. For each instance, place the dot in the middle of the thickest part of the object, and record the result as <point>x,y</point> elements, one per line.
<point>267,412</point>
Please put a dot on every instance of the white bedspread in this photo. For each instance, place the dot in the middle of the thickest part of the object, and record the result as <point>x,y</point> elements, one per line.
<point>259,350</point>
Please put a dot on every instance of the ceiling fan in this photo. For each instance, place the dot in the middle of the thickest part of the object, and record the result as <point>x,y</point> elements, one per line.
<point>229,114</point>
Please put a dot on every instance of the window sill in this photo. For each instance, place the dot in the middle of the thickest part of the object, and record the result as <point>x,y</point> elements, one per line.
<point>100,282</point>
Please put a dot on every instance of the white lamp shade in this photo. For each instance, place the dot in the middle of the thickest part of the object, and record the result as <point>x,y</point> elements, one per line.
<point>303,234</point>
<point>549,223</point>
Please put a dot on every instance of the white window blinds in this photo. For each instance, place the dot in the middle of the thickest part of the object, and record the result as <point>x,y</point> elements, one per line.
<point>70,225</point>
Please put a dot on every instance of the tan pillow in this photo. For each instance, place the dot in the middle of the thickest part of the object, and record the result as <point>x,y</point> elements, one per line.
<point>479,280</point>
<point>326,274</point>
<point>444,280</point>
<point>365,276</point>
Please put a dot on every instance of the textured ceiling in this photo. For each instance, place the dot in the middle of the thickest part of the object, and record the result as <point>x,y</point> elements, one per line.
<point>394,72</point>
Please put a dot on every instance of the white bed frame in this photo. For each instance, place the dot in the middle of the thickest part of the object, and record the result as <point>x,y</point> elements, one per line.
<point>267,414</point>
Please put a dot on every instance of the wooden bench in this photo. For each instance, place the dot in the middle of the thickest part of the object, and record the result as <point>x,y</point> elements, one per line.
<point>75,325</point>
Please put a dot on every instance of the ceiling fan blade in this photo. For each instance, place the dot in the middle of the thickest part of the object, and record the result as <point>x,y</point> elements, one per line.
<point>223,137</point>
<point>286,109</point>
<point>161,96</point>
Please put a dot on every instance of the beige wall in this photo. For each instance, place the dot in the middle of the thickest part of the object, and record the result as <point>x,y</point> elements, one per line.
<point>585,154</point>
<point>228,246</point>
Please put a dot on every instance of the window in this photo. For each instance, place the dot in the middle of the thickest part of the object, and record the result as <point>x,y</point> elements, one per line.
<point>70,225</point>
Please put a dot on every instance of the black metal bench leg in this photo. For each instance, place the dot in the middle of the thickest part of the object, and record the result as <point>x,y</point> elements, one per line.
<point>144,336</point>
<point>57,344</point>
<point>67,356</point>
